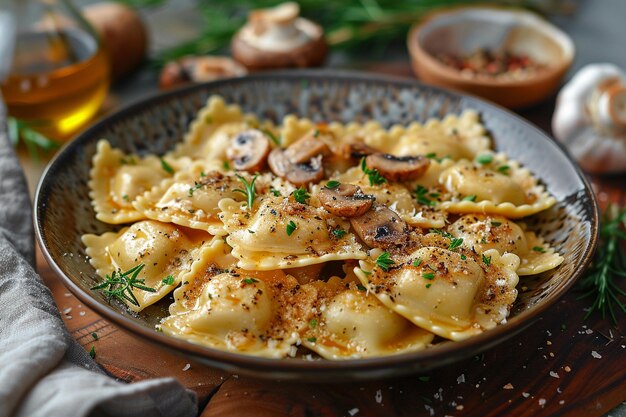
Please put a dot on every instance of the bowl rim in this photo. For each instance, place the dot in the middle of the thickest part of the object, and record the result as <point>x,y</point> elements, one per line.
<point>562,39</point>
<point>317,370</point>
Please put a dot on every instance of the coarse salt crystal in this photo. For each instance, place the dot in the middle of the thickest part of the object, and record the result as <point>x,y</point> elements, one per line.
<point>82,313</point>
<point>567,368</point>
<point>554,374</point>
<point>596,354</point>
<point>525,394</point>
<point>562,402</point>
<point>187,367</point>
<point>459,407</point>
<point>379,396</point>
<point>67,310</point>
<point>508,386</point>
<point>542,402</point>
<point>431,411</point>
<point>460,379</point>
<point>353,411</point>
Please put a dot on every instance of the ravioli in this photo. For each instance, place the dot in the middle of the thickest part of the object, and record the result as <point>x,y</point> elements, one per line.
<point>483,232</point>
<point>191,200</point>
<point>499,187</point>
<point>453,294</point>
<point>279,233</point>
<point>166,251</point>
<point>349,323</point>
<point>117,179</point>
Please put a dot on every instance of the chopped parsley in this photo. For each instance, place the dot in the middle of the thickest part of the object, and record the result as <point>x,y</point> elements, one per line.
<point>128,161</point>
<point>384,261</point>
<point>226,166</point>
<point>272,136</point>
<point>339,233</point>
<point>248,189</point>
<point>484,159</point>
<point>417,262</point>
<point>361,287</point>
<point>196,186</point>
<point>168,280</point>
<point>539,249</point>
<point>291,227</point>
<point>301,195</point>
<point>313,323</point>
<point>373,175</point>
<point>166,167</point>
<point>312,339</point>
<point>470,198</point>
<point>125,197</point>
<point>94,335</point>
<point>274,191</point>
<point>428,275</point>
<point>455,242</point>
<point>463,257</point>
<point>332,184</point>
<point>504,169</point>
<point>420,195</point>
<point>316,133</point>
<point>202,174</point>
<point>249,281</point>
<point>486,260</point>
<point>433,156</point>
<point>496,224</point>
<point>120,285</point>
<point>429,285</point>
<point>441,232</point>
<point>92,352</point>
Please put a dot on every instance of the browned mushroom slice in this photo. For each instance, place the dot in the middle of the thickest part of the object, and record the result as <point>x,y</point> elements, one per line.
<point>306,148</point>
<point>380,227</point>
<point>248,151</point>
<point>345,200</point>
<point>356,150</point>
<point>398,168</point>
<point>302,174</point>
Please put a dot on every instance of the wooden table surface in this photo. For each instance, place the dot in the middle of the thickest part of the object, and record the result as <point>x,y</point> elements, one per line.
<point>562,365</point>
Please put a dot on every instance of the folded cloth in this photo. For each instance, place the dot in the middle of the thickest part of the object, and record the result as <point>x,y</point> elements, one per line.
<point>43,370</point>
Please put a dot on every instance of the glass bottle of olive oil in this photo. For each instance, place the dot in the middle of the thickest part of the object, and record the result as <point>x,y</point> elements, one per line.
<point>59,73</point>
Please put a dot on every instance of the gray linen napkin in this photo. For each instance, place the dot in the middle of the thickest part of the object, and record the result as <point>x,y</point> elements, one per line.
<point>43,370</point>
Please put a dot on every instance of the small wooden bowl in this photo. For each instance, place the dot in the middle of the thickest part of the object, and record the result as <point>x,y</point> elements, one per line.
<point>463,31</point>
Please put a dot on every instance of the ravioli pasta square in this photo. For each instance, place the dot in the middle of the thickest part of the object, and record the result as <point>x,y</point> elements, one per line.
<point>340,240</point>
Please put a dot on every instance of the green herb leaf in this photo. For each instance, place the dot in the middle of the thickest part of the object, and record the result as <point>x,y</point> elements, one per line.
<point>504,169</point>
<point>428,285</point>
<point>202,174</point>
<point>417,262</point>
<point>339,233</point>
<point>94,335</point>
<point>226,166</point>
<point>539,249</point>
<point>428,275</point>
<point>361,287</point>
<point>441,232</point>
<point>496,224</point>
<point>470,198</point>
<point>313,323</point>
<point>486,260</point>
<point>197,186</point>
<point>384,261</point>
<point>301,195</point>
<point>332,184</point>
<point>249,190</point>
<point>274,191</point>
<point>455,243</point>
<point>249,281</point>
<point>484,159</point>
<point>120,285</point>
<point>125,197</point>
<point>291,227</point>
<point>463,257</point>
<point>373,175</point>
<point>420,195</point>
<point>166,167</point>
<point>168,280</point>
<point>272,136</point>
<point>312,339</point>
<point>92,352</point>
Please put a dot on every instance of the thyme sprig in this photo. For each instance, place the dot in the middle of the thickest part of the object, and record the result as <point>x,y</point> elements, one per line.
<point>248,189</point>
<point>372,174</point>
<point>609,265</point>
<point>120,285</point>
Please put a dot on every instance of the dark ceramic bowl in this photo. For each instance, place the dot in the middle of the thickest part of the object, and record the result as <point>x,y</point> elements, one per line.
<point>63,211</point>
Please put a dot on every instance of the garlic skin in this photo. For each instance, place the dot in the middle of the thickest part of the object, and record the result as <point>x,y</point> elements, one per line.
<point>590,118</point>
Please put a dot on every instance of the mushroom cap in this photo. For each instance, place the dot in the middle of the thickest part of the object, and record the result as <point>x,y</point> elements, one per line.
<point>199,69</point>
<point>398,168</point>
<point>301,174</point>
<point>306,148</point>
<point>345,200</point>
<point>248,150</point>
<point>381,227</point>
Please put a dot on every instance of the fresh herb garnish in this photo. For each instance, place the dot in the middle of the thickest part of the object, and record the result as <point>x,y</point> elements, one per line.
<point>433,156</point>
<point>202,174</point>
<point>384,261</point>
<point>428,275</point>
<point>272,136</point>
<point>373,175</point>
<point>417,262</point>
<point>463,257</point>
<point>94,335</point>
<point>249,281</point>
<point>274,191</point>
<point>539,249</point>
<point>339,233</point>
<point>455,242</point>
<point>196,186</point>
<point>316,133</point>
<point>441,232</point>
<point>504,169</point>
<point>301,195</point>
<point>125,197</point>
<point>168,280</point>
<point>249,191</point>
<point>609,265</point>
<point>496,224</point>
<point>332,184</point>
<point>470,198</point>
<point>486,260</point>
<point>226,166</point>
<point>128,161</point>
<point>291,227</point>
<point>166,167</point>
<point>313,323</point>
<point>484,159</point>
<point>312,339</point>
<point>120,285</point>
<point>428,285</point>
<point>420,195</point>
<point>361,287</point>
<point>92,352</point>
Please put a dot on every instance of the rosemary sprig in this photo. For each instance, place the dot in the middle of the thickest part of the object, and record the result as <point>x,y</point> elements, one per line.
<point>19,130</point>
<point>248,189</point>
<point>608,266</point>
<point>120,285</point>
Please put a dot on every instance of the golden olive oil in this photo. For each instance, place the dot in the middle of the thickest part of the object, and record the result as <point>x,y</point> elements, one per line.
<point>58,81</point>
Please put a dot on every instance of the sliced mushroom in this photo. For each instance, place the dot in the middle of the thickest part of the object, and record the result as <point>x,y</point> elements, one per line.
<point>306,148</point>
<point>398,168</point>
<point>380,227</point>
<point>356,150</point>
<point>302,174</point>
<point>248,151</point>
<point>346,200</point>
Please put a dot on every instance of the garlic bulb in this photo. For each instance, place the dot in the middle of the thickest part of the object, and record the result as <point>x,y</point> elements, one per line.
<point>590,118</point>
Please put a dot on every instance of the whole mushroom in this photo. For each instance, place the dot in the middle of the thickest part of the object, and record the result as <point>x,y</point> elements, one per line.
<point>590,118</point>
<point>278,37</point>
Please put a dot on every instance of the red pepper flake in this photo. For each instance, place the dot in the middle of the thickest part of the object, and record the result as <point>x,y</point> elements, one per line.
<point>483,62</point>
